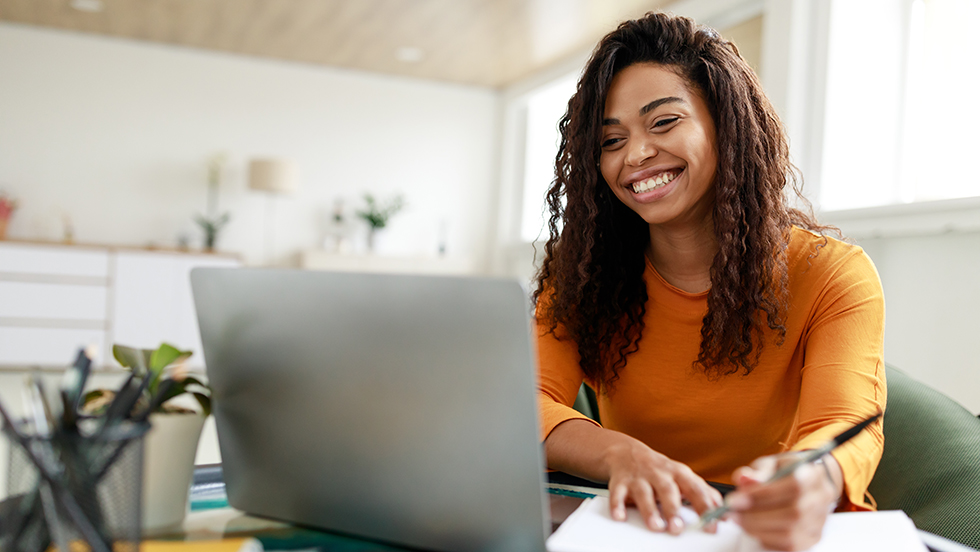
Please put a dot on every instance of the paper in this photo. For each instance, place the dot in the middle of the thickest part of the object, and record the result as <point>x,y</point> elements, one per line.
<point>591,529</point>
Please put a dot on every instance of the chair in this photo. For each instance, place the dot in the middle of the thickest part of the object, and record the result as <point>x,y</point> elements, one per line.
<point>930,467</point>
<point>586,402</point>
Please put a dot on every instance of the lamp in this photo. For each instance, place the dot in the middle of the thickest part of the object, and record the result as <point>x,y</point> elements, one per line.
<point>275,177</point>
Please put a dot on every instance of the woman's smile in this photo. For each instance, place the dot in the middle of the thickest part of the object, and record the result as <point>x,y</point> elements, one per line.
<point>647,187</point>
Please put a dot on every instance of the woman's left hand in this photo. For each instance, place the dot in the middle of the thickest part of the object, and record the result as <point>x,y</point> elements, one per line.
<point>787,514</point>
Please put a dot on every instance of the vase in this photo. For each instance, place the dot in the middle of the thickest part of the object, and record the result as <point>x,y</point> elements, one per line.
<point>168,469</point>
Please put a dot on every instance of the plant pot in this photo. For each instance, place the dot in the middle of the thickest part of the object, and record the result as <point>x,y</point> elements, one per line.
<point>168,469</point>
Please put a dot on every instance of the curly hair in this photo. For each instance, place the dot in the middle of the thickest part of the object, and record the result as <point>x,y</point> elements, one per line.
<point>591,281</point>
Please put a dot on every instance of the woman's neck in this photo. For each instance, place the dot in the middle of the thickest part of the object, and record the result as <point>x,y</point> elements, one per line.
<point>683,255</point>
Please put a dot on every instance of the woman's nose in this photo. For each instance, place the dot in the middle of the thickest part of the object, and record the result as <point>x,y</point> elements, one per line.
<point>639,151</point>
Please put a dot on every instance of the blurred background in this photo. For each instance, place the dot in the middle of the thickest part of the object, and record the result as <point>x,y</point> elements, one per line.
<point>139,138</point>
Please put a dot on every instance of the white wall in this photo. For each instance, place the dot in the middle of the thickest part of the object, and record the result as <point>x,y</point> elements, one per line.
<point>932,308</point>
<point>928,257</point>
<point>117,135</point>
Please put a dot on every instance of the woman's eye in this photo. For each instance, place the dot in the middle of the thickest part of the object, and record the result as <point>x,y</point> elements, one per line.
<point>610,142</point>
<point>665,122</point>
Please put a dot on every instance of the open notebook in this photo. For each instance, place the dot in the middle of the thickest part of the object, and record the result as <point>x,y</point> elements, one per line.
<point>591,529</point>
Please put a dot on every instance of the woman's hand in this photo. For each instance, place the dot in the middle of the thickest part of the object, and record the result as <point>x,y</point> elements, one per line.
<point>787,514</point>
<point>646,478</point>
<point>637,474</point>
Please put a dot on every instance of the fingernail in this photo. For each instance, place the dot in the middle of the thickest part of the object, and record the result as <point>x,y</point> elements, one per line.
<point>620,513</point>
<point>738,501</point>
<point>676,524</point>
<point>657,523</point>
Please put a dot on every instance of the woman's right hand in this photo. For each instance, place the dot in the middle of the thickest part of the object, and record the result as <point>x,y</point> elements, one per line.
<point>637,474</point>
<point>643,477</point>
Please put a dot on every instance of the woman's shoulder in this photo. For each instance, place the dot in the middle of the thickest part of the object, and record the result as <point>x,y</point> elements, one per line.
<point>814,255</point>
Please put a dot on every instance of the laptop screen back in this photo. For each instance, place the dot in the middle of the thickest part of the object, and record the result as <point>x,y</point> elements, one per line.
<point>400,408</point>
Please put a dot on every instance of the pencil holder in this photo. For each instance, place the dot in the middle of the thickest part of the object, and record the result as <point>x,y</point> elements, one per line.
<point>78,493</point>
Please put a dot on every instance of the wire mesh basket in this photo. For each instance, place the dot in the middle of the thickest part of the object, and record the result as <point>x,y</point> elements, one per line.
<point>88,497</point>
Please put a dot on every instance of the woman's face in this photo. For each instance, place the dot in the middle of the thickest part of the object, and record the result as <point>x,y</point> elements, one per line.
<point>658,146</point>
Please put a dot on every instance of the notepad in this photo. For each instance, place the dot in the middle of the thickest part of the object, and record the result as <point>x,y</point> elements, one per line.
<point>591,529</point>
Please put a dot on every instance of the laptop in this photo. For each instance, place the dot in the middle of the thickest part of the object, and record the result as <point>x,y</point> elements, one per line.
<point>394,407</point>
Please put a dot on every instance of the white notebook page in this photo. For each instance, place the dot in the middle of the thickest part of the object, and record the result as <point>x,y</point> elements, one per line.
<point>591,529</point>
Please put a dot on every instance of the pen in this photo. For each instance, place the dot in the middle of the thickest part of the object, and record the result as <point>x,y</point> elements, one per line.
<point>36,401</point>
<point>72,385</point>
<point>805,458</point>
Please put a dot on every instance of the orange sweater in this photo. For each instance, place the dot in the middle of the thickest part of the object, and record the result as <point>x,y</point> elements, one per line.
<point>826,376</point>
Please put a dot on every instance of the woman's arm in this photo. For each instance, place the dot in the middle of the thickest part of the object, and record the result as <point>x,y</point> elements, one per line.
<point>636,473</point>
<point>842,383</point>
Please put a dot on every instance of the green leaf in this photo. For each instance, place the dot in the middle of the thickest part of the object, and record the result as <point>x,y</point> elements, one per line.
<point>179,388</point>
<point>130,358</point>
<point>164,356</point>
<point>190,380</point>
<point>95,395</point>
<point>205,402</point>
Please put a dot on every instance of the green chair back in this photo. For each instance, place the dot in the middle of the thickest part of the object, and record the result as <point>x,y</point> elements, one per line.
<point>930,467</point>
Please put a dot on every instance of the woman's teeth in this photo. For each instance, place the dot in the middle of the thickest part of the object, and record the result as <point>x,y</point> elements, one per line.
<point>658,181</point>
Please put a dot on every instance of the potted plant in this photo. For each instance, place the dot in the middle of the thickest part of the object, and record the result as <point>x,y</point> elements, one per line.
<point>171,444</point>
<point>212,223</point>
<point>377,214</point>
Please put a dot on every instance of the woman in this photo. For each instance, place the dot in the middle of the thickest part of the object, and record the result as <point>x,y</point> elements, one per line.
<point>719,328</point>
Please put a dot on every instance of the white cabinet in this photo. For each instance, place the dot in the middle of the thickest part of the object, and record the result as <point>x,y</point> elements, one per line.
<point>57,298</point>
<point>53,300</point>
<point>448,266</point>
<point>153,302</point>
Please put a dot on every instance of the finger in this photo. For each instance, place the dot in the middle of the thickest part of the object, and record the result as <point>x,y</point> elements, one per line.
<point>769,521</point>
<point>804,484</point>
<point>766,464</point>
<point>669,497</point>
<point>703,497</point>
<point>642,495</point>
<point>617,501</point>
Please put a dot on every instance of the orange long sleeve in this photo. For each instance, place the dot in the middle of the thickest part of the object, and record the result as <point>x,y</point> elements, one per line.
<point>827,374</point>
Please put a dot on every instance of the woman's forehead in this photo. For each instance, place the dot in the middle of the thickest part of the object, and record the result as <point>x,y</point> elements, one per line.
<point>636,85</point>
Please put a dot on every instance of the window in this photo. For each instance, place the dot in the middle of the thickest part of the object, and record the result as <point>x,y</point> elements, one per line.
<point>545,107</point>
<point>901,111</point>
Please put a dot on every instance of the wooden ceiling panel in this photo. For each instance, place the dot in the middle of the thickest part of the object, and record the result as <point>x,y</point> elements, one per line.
<point>480,42</point>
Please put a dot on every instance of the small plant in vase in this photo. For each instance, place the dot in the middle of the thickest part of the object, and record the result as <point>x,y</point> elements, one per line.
<point>211,227</point>
<point>171,444</point>
<point>377,214</point>
<point>212,223</point>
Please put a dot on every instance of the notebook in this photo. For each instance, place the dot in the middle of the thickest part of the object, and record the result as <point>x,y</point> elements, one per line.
<point>392,407</point>
<point>591,529</point>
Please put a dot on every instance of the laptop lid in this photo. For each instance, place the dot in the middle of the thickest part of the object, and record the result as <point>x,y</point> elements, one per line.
<point>400,408</point>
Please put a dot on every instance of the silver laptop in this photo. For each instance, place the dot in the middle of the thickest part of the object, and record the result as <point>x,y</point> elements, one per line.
<point>399,408</point>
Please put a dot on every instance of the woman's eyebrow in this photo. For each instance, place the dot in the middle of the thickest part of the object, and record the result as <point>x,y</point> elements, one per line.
<point>648,108</point>
<point>657,103</point>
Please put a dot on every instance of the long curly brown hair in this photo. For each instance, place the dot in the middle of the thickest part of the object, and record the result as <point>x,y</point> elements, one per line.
<point>591,282</point>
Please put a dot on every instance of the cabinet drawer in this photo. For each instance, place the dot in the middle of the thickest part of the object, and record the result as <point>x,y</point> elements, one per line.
<point>53,260</point>
<point>46,346</point>
<point>52,301</point>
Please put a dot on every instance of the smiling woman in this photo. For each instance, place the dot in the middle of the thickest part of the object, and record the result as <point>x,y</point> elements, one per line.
<point>719,328</point>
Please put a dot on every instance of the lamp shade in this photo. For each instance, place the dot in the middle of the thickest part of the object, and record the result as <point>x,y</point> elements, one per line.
<point>278,176</point>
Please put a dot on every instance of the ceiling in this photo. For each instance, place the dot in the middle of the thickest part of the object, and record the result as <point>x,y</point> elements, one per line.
<point>479,42</point>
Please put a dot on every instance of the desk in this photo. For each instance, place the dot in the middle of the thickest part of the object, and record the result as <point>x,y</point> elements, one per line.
<point>205,527</point>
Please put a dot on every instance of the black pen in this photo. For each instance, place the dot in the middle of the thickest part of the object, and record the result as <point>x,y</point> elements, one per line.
<point>806,457</point>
